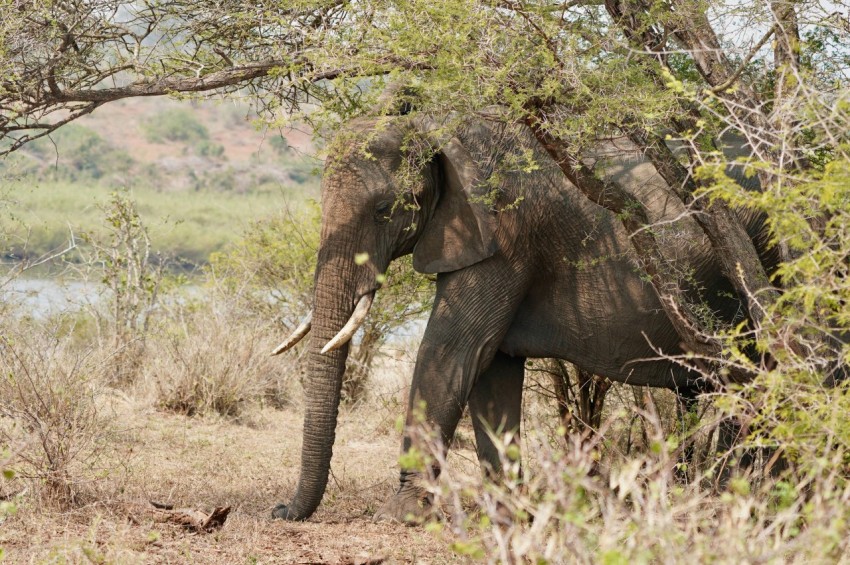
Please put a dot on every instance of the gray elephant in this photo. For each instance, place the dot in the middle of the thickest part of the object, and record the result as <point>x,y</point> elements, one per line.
<point>526,267</point>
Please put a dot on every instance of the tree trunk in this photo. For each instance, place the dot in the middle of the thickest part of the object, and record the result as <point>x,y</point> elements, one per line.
<point>579,407</point>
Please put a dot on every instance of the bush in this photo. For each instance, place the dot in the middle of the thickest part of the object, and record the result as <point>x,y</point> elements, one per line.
<point>207,148</point>
<point>133,276</point>
<point>176,124</point>
<point>271,272</point>
<point>75,152</point>
<point>48,408</point>
<point>799,399</point>
<point>279,144</point>
<point>564,506</point>
<point>217,364</point>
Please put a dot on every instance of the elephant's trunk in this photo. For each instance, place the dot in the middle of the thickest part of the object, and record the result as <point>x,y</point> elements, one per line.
<point>333,305</point>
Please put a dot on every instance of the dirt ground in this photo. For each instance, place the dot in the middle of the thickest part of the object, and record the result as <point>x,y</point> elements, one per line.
<point>248,465</point>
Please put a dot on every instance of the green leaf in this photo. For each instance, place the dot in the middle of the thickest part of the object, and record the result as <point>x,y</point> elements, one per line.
<point>361,258</point>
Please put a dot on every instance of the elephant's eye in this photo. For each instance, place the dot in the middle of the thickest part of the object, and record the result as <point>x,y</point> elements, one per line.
<point>383,209</point>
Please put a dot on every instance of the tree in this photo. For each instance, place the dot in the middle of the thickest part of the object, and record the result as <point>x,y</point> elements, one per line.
<point>63,59</point>
<point>678,78</point>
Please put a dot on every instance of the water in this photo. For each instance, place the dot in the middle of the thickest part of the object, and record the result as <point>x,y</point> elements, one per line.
<point>41,298</point>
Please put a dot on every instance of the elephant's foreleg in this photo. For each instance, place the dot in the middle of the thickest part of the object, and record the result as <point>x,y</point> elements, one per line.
<point>473,311</point>
<point>495,406</point>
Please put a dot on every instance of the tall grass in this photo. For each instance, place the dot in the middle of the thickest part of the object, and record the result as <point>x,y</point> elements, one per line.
<point>188,225</point>
<point>217,363</point>
<point>564,507</point>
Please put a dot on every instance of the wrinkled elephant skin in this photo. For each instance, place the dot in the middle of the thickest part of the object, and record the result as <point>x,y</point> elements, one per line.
<point>526,267</point>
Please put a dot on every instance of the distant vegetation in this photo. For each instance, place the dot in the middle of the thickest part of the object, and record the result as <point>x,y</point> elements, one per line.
<point>73,153</point>
<point>182,126</point>
<point>187,225</point>
<point>195,192</point>
<point>177,124</point>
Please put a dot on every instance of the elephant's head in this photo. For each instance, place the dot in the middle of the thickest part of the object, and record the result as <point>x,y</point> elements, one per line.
<point>375,208</point>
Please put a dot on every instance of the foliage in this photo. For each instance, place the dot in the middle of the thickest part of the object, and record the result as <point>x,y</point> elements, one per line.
<point>77,153</point>
<point>63,61</point>
<point>217,362</point>
<point>279,144</point>
<point>178,220</point>
<point>634,510</point>
<point>133,278</point>
<point>798,399</point>
<point>176,124</point>
<point>272,264</point>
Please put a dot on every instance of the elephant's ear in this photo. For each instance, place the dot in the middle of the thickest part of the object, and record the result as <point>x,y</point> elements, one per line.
<point>460,231</point>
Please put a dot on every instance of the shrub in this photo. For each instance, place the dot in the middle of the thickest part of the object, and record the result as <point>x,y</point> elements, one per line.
<point>75,152</point>
<point>279,144</point>
<point>798,401</point>
<point>217,364</point>
<point>207,148</point>
<point>271,272</point>
<point>565,507</point>
<point>133,277</point>
<point>579,396</point>
<point>176,124</point>
<point>48,408</point>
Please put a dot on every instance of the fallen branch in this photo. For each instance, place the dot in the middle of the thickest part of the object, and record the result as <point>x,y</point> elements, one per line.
<point>189,518</point>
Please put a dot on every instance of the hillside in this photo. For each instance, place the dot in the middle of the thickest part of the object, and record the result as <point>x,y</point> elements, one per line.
<point>189,165</point>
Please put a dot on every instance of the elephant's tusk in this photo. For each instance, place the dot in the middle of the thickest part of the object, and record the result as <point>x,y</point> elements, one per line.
<point>353,323</point>
<point>302,330</point>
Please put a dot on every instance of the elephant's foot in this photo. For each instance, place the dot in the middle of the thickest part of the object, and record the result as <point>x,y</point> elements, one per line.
<point>410,505</point>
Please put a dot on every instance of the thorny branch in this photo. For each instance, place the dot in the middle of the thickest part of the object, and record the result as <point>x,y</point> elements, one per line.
<point>63,60</point>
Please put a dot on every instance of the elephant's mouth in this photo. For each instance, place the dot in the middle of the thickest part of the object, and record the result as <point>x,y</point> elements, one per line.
<point>361,310</point>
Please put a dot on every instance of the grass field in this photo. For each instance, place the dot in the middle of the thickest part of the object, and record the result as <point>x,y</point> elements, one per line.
<point>205,463</point>
<point>186,225</point>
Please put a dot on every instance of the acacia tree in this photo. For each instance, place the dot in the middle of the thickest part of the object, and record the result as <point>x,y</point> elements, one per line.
<point>60,60</point>
<point>774,73</point>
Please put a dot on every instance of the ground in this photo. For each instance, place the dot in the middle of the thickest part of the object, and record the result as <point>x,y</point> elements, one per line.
<point>249,465</point>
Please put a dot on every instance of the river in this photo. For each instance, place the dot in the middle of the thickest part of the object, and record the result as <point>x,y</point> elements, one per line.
<point>41,298</point>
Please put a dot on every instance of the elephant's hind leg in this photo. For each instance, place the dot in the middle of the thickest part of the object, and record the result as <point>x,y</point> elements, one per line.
<point>495,406</point>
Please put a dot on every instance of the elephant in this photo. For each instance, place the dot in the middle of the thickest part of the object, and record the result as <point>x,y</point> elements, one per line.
<point>526,266</point>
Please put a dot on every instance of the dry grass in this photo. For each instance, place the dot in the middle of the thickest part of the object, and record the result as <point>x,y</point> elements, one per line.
<point>89,458</point>
<point>623,508</point>
<point>212,421</point>
<point>203,463</point>
<point>216,363</point>
<point>49,412</point>
<point>566,507</point>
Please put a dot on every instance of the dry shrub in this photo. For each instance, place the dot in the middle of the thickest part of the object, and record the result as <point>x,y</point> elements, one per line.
<point>582,403</point>
<point>566,507</point>
<point>49,412</point>
<point>218,364</point>
<point>132,276</point>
